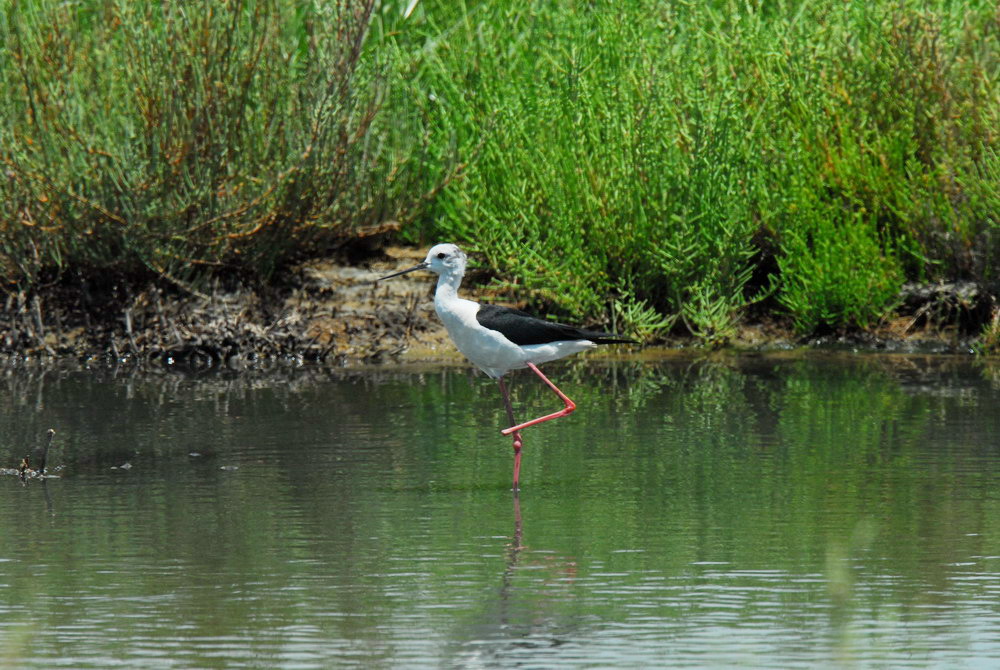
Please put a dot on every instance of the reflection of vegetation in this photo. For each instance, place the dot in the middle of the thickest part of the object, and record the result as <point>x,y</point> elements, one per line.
<point>802,484</point>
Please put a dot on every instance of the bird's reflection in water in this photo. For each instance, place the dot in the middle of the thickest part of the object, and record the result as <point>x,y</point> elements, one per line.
<point>513,556</point>
<point>517,540</point>
<point>529,615</point>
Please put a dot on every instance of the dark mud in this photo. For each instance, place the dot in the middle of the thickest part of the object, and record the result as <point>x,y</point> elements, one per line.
<point>331,312</point>
<point>322,311</point>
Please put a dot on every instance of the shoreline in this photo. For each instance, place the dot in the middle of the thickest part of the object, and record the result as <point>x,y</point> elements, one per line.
<point>329,312</point>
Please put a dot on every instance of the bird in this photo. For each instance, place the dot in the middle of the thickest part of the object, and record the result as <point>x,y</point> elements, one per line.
<point>498,339</point>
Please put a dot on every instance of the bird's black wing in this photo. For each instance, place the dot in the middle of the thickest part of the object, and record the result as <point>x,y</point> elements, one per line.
<point>521,328</point>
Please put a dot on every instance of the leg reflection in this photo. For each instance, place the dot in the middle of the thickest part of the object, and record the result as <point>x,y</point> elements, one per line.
<point>513,552</point>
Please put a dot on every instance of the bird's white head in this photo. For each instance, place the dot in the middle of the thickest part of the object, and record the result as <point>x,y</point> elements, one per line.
<point>446,260</point>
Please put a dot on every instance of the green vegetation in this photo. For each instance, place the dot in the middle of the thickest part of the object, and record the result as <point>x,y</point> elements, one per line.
<point>662,165</point>
<point>697,157</point>
<point>171,137</point>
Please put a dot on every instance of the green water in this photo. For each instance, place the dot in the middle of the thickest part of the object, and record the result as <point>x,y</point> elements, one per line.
<point>754,511</point>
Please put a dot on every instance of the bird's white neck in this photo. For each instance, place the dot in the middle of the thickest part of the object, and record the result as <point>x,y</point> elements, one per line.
<point>447,286</point>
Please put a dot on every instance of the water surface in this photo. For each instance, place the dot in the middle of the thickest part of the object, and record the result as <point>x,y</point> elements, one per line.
<point>754,511</point>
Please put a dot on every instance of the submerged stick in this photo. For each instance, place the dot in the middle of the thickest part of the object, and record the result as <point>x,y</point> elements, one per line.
<point>33,465</point>
<point>41,454</point>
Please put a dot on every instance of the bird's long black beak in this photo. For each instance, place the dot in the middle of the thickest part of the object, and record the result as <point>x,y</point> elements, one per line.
<point>403,272</point>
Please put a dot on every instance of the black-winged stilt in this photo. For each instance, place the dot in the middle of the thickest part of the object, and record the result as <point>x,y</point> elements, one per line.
<point>499,339</point>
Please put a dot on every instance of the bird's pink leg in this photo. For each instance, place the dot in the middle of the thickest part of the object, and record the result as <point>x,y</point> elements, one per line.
<point>570,406</point>
<point>517,435</point>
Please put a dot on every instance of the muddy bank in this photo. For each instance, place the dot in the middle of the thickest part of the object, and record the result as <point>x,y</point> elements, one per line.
<point>330,312</point>
<point>321,311</point>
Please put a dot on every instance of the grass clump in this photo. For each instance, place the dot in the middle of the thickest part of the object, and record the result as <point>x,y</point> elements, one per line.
<point>698,159</point>
<point>594,179</point>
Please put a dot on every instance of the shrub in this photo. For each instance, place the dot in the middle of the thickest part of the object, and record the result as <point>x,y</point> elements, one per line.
<point>170,138</point>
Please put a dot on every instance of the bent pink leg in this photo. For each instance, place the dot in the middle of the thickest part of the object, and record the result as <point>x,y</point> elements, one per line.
<point>517,435</point>
<point>570,405</point>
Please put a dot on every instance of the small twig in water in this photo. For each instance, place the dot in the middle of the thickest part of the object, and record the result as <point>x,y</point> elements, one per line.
<point>42,453</point>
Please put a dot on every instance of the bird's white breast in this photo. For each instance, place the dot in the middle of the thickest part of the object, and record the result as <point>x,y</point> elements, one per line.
<point>490,351</point>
